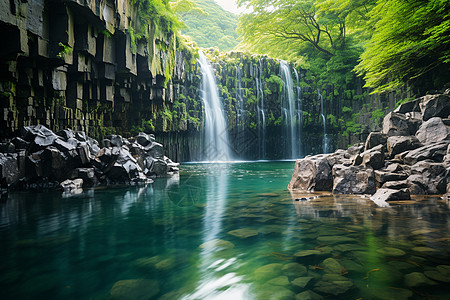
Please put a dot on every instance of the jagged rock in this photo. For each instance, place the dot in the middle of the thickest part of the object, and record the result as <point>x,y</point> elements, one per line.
<point>397,124</point>
<point>336,157</point>
<point>83,152</point>
<point>399,144</point>
<point>395,185</point>
<point>72,185</point>
<point>353,151</point>
<point>115,140</point>
<point>373,158</point>
<point>410,106</point>
<point>353,180</point>
<point>20,143</point>
<point>66,134</point>
<point>435,106</point>
<point>374,139</point>
<point>432,131</point>
<point>9,168</point>
<point>435,151</point>
<point>428,178</point>
<point>382,177</point>
<point>158,167</point>
<point>155,150</point>
<point>143,139</point>
<point>63,146</point>
<point>7,147</point>
<point>81,136</point>
<point>87,174</point>
<point>134,289</point>
<point>312,173</point>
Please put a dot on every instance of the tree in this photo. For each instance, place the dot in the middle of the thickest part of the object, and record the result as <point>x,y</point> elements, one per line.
<point>411,40</point>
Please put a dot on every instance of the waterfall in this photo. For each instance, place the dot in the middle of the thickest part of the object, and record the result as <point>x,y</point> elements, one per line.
<point>240,112</point>
<point>261,116</point>
<point>299,114</point>
<point>288,110</point>
<point>216,144</point>
<point>324,140</point>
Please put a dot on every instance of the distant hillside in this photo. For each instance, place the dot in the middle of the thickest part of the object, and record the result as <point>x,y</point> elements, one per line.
<point>217,29</point>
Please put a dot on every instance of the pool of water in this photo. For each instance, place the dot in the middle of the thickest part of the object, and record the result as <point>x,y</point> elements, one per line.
<point>221,231</point>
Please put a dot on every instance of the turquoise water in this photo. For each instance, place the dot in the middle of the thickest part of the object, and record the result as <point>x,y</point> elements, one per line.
<point>221,231</point>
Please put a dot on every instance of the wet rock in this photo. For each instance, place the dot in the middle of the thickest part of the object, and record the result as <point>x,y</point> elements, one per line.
<point>134,289</point>
<point>308,295</point>
<point>83,153</point>
<point>279,281</point>
<point>313,173</point>
<point>267,272</point>
<point>302,282</point>
<point>9,168</point>
<point>88,176</point>
<point>416,279</point>
<point>435,151</point>
<point>72,185</point>
<point>399,144</point>
<point>333,284</point>
<point>155,150</point>
<point>331,265</point>
<point>435,106</point>
<point>395,124</point>
<point>386,195</point>
<point>294,270</point>
<point>375,139</point>
<point>391,252</point>
<point>353,180</point>
<point>217,245</point>
<point>66,134</point>
<point>432,131</point>
<point>144,139</point>
<point>243,233</point>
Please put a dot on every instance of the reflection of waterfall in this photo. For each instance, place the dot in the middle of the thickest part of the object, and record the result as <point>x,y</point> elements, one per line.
<point>322,114</point>
<point>240,111</point>
<point>216,145</point>
<point>261,116</point>
<point>215,284</point>
<point>288,110</point>
<point>299,114</point>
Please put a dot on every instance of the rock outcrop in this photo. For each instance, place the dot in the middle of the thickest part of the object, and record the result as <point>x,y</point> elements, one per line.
<point>40,156</point>
<point>410,157</point>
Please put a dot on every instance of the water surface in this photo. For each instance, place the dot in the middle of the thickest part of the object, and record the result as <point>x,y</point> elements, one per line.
<point>221,231</point>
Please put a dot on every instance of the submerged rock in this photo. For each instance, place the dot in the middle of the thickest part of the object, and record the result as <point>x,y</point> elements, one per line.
<point>331,265</point>
<point>267,272</point>
<point>134,289</point>
<point>279,281</point>
<point>389,293</point>
<point>294,270</point>
<point>217,245</point>
<point>417,279</point>
<point>308,295</point>
<point>243,233</point>
<point>302,282</point>
<point>392,252</point>
<point>333,284</point>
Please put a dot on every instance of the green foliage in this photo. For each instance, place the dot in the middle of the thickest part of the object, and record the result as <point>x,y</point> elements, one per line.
<point>133,46</point>
<point>378,115</point>
<point>146,126</point>
<point>401,101</point>
<point>410,39</point>
<point>347,110</point>
<point>212,27</point>
<point>64,50</point>
<point>274,84</point>
<point>158,13</point>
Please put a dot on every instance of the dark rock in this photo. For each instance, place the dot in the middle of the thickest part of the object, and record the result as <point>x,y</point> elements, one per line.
<point>63,146</point>
<point>410,106</point>
<point>34,165</point>
<point>312,173</point>
<point>9,168</point>
<point>54,164</point>
<point>155,150</point>
<point>435,106</point>
<point>416,279</point>
<point>87,175</point>
<point>72,185</point>
<point>435,151</point>
<point>433,131</point>
<point>382,177</point>
<point>134,289</point>
<point>159,167</point>
<point>83,152</point>
<point>143,139</point>
<point>396,185</point>
<point>353,151</point>
<point>20,143</point>
<point>93,146</point>
<point>374,139</point>
<point>417,185</point>
<point>353,180</point>
<point>66,134</point>
<point>397,124</point>
<point>394,168</point>
<point>106,143</point>
<point>373,159</point>
<point>115,140</point>
<point>7,147</point>
<point>446,121</point>
<point>40,136</point>
<point>80,136</point>
<point>434,177</point>
<point>399,144</point>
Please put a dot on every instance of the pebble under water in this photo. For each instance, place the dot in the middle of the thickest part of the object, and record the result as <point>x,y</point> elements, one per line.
<point>221,231</point>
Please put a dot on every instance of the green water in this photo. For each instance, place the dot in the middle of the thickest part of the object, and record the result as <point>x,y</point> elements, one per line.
<point>221,231</point>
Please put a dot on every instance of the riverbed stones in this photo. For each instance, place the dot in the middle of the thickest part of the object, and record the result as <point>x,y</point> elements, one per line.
<point>389,293</point>
<point>391,252</point>
<point>331,265</point>
<point>294,270</point>
<point>243,233</point>
<point>217,245</point>
<point>308,295</point>
<point>302,282</point>
<point>134,289</point>
<point>333,284</point>
<point>437,276</point>
<point>267,272</point>
<point>333,240</point>
<point>417,279</point>
<point>279,281</point>
<point>313,173</point>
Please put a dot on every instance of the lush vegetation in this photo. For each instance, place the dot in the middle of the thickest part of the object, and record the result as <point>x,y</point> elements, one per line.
<point>209,25</point>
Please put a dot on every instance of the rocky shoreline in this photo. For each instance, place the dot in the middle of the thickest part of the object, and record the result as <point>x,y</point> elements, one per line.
<point>410,156</point>
<point>69,159</point>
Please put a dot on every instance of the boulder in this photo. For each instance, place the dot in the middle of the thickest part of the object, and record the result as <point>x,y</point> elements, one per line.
<point>435,151</point>
<point>434,177</point>
<point>382,177</point>
<point>410,106</point>
<point>395,185</point>
<point>9,168</point>
<point>63,146</point>
<point>312,173</point>
<point>374,139</point>
<point>66,134</point>
<point>143,139</point>
<point>87,175</point>
<point>54,163</point>
<point>399,144</point>
<point>81,136</point>
<point>397,124</point>
<point>155,150</point>
<point>83,153</point>
<point>336,157</point>
<point>353,180</point>
<point>115,140</point>
<point>353,151</point>
<point>20,143</point>
<point>333,284</point>
<point>432,131</point>
<point>386,195</point>
<point>373,158</point>
<point>158,167</point>
<point>417,185</point>
<point>435,106</point>
<point>70,186</point>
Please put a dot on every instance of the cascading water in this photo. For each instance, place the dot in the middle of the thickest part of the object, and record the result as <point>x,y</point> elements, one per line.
<point>324,140</point>
<point>299,114</point>
<point>240,112</point>
<point>288,110</point>
<point>216,143</point>
<point>260,111</point>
